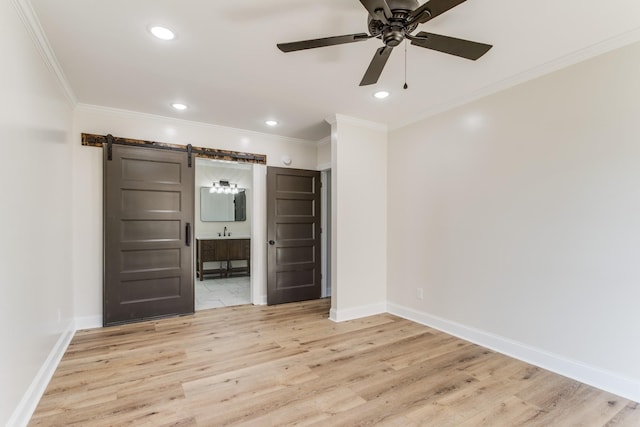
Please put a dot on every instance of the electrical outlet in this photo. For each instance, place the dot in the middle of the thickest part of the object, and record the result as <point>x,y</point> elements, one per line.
<point>419,293</point>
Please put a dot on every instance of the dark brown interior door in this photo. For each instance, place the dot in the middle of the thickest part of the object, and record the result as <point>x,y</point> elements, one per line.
<point>293,234</point>
<point>147,233</point>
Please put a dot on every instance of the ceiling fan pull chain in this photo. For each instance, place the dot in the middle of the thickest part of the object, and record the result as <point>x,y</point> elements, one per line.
<point>406,86</point>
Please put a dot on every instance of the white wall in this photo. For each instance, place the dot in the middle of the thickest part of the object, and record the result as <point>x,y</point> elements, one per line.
<point>259,234</point>
<point>358,218</point>
<point>323,154</point>
<point>35,251</point>
<point>519,216</point>
<point>87,169</point>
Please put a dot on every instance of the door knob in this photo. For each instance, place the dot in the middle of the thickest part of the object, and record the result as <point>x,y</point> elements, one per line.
<point>271,242</point>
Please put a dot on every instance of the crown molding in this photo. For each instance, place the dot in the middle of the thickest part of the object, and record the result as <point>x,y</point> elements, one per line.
<point>324,141</point>
<point>341,118</point>
<point>578,56</point>
<point>32,24</point>
<point>136,114</point>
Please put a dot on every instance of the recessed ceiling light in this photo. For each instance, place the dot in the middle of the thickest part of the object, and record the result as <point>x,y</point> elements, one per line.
<point>381,94</point>
<point>162,33</point>
<point>271,123</point>
<point>178,106</point>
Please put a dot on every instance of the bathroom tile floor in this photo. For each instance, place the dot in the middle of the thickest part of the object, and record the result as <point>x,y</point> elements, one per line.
<point>222,292</point>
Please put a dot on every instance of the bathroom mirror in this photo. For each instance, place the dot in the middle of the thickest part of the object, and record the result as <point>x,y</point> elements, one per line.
<point>221,207</point>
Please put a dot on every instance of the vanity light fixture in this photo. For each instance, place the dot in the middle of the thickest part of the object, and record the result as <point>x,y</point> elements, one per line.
<point>381,94</point>
<point>179,106</point>
<point>271,123</point>
<point>223,187</point>
<point>162,33</point>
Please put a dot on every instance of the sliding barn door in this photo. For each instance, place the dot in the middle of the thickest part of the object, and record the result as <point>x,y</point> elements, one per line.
<point>148,256</point>
<point>293,233</point>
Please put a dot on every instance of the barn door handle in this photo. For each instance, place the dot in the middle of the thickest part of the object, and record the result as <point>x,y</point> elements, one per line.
<point>271,242</point>
<point>188,234</point>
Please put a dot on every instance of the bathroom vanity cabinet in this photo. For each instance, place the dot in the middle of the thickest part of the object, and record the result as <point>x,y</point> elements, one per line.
<point>223,251</point>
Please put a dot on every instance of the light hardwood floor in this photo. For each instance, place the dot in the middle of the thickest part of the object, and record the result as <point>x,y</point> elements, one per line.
<point>290,365</point>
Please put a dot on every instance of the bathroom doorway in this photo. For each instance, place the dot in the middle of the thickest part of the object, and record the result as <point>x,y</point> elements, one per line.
<point>223,224</point>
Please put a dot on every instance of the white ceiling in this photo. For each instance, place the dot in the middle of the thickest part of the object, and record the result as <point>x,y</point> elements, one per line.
<point>225,65</point>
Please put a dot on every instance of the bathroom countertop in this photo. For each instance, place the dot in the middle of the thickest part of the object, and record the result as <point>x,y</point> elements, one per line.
<point>216,237</point>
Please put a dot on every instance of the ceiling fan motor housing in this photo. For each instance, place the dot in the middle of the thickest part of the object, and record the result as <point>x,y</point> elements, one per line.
<point>393,32</point>
<point>403,5</point>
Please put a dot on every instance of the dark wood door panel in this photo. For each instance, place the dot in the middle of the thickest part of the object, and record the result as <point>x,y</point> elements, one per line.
<point>295,255</point>
<point>151,289</point>
<point>149,171</point>
<point>148,264</point>
<point>151,259</point>
<point>293,230</point>
<point>150,231</point>
<point>158,201</point>
<point>290,183</point>
<point>297,208</point>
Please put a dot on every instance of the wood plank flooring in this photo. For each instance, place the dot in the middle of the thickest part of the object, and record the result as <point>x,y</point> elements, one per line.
<point>290,365</point>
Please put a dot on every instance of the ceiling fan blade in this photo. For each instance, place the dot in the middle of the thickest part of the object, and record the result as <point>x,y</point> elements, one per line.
<point>327,41</point>
<point>376,66</point>
<point>451,45</point>
<point>378,9</point>
<point>435,8</point>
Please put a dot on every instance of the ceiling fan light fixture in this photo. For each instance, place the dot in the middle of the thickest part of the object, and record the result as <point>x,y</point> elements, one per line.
<point>381,94</point>
<point>162,33</point>
<point>271,123</point>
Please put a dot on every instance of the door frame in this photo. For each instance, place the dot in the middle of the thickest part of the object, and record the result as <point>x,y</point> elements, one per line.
<point>259,236</point>
<point>325,225</point>
<point>255,266</point>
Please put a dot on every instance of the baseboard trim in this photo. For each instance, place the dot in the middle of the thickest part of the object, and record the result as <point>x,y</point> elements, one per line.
<point>260,300</point>
<point>593,376</point>
<point>23,412</point>
<point>357,312</point>
<point>88,322</point>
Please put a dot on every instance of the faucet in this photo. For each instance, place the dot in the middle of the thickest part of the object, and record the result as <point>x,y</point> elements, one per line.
<point>225,231</point>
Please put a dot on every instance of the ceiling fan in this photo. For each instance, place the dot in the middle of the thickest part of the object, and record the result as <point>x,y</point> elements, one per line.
<point>393,21</point>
